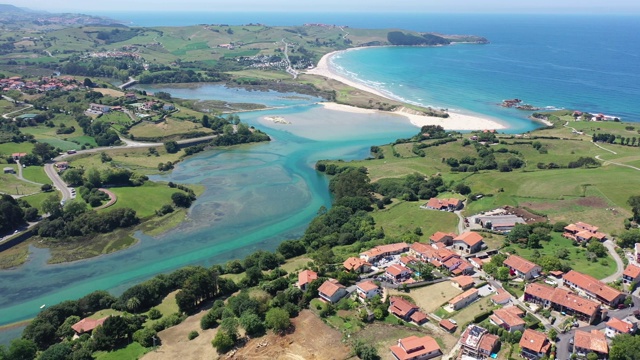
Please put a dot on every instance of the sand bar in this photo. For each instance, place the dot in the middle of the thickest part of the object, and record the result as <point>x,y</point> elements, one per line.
<point>455,121</point>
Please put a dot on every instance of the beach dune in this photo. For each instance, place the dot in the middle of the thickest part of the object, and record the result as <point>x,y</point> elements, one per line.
<point>455,121</point>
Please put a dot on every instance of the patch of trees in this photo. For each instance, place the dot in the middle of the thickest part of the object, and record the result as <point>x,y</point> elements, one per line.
<point>243,135</point>
<point>174,76</point>
<point>625,347</point>
<point>202,285</point>
<point>117,35</point>
<point>401,38</point>
<point>410,188</point>
<point>94,178</point>
<point>580,163</point>
<point>613,139</point>
<point>118,68</point>
<point>12,215</point>
<point>530,236</point>
<point>634,202</point>
<point>100,131</point>
<point>76,220</point>
<point>377,152</point>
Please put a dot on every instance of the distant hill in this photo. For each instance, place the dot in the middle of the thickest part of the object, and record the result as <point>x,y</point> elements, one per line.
<point>10,14</point>
<point>13,9</point>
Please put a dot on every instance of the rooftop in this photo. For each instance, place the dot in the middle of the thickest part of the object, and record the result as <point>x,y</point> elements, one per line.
<point>534,341</point>
<point>367,286</point>
<point>520,264</point>
<point>620,325</point>
<point>463,280</point>
<point>413,346</point>
<point>592,285</point>
<point>306,276</point>
<point>400,307</point>
<point>632,271</point>
<point>594,341</point>
<point>470,238</point>
<point>563,297</point>
<point>439,236</point>
<point>330,287</point>
<point>463,296</point>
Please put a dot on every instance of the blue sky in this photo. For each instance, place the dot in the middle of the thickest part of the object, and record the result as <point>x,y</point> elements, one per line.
<point>450,6</point>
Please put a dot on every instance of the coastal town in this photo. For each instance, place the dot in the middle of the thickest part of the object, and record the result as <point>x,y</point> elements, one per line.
<point>222,191</point>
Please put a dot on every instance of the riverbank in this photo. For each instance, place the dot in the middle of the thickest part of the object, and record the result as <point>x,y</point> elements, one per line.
<point>455,121</point>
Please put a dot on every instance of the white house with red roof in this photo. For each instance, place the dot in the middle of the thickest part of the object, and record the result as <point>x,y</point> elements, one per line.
<point>464,299</point>
<point>367,290</point>
<point>441,237</point>
<point>616,326</point>
<point>397,272</point>
<point>469,242</point>
<point>332,291</point>
<point>305,277</point>
<point>631,274</point>
<point>416,348</point>
<point>87,325</point>
<point>357,265</point>
<point>463,282</point>
<point>508,318</point>
<point>522,268</point>
<point>534,345</point>
<point>581,232</point>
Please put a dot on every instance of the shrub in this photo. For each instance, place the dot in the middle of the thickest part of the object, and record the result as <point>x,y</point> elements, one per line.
<point>192,335</point>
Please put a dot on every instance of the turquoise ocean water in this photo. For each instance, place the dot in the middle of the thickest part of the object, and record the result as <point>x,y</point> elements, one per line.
<point>258,195</point>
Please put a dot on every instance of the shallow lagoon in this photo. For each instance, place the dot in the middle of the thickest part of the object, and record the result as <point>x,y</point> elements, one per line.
<point>256,196</point>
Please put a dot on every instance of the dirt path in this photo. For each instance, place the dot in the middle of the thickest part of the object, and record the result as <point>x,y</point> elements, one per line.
<point>112,199</point>
<point>605,162</point>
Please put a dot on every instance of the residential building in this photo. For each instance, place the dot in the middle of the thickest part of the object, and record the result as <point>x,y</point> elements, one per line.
<point>87,325</point>
<point>469,242</point>
<point>443,204</point>
<point>501,298</point>
<point>448,325</point>
<point>130,97</point>
<point>416,348</point>
<point>581,232</point>
<point>562,300</point>
<point>631,274</point>
<point>422,251</point>
<point>332,291</point>
<point>407,260</point>
<point>586,342</point>
<point>402,308</point>
<point>476,262</point>
<point>9,170</point>
<point>534,345</point>
<point>367,290</point>
<point>168,107</point>
<point>637,248</point>
<point>357,265</point>
<point>18,156</point>
<point>464,299</point>
<point>508,318</point>
<point>384,250</point>
<point>463,282</point>
<point>305,277</point>
<point>99,108</point>
<point>592,288</point>
<point>476,342</point>
<point>443,238</point>
<point>397,273</point>
<point>522,268</point>
<point>616,326</point>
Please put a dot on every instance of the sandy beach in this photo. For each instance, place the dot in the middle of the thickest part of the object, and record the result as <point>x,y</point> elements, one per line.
<point>455,121</point>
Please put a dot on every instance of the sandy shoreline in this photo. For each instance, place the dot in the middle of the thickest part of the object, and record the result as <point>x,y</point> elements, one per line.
<point>455,121</point>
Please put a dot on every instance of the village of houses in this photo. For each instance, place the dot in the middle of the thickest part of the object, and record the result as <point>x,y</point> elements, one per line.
<point>585,313</point>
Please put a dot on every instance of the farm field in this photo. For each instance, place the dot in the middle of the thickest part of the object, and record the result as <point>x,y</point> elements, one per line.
<point>403,217</point>
<point>577,257</point>
<point>36,173</point>
<point>166,129</point>
<point>146,199</point>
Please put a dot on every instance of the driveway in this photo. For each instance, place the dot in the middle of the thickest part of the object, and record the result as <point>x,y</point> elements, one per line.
<point>612,250</point>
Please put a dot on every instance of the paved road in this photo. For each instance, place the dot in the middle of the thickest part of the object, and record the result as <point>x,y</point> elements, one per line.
<point>22,177</point>
<point>128,83</point>
<point>57,181</point>
<point>290,69</point>
<point>461,227</point>
<point>612,250</point>
<point>6,116</point>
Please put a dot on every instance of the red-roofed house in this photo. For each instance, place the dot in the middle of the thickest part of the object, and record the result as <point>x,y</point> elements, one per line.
<point>367,290</point>
<point>440,237</point>
<point>583,232</point>
<point>397,272</point>
<point>534,345</point>
<point>443,204</point>
<point>562,300</point>
<point>502,298</point>
<point>522,268</point>
<point>18,156</point>
<point>416,348</point>
<point>637,248</point>
<point>87,325</point>
<point>509,318</point>
<point>422,251</point>
<point>469,242</point>
<point>418,317</point>
<point>384,250</point>
<point>402,308</point>
<point>464,299</point>
<point>332,291</point>
<point>586,342</point>
<point>357,265</point>
<point>592,288</point>
<point>448,325</point>
<point>631,274</point>
<point>616,326</point>
<point>463,282</point>
<point>305,277</point>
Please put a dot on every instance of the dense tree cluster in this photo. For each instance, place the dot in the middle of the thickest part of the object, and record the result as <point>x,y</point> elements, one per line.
<point>613,139</point>
<point>411,187</point>
<point>401,38</point>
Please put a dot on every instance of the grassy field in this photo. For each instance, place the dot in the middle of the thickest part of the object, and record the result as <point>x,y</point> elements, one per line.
<point>296,263</point>
<point>467,314</point>
<point>166,128</point>
<point>139,160</point>
<point>15,256</point>
<point>99,245</point>
<point>404,217</point>
<point>104,313</point>
<point>145,199</point>
<point>131,351</point>
<point>577,258</point>
<point>36,173</point>
<point>36,200</point>
<point>7,149</point>
<point>431,297</point>
<point>10,184</point>
<point>159,225</point>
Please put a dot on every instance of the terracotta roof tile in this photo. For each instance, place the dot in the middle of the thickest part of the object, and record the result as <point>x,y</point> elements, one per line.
<point>592,285</point>
<point>594,341</point>
<point>470,238</point>
<point>534,341</point>
<point>520,264</point>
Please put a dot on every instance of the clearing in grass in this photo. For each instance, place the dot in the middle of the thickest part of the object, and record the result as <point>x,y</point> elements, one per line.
<point>430,298</point>
<point>404,217</point>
